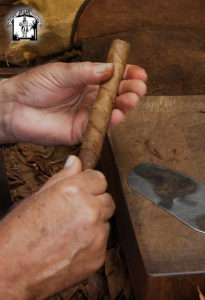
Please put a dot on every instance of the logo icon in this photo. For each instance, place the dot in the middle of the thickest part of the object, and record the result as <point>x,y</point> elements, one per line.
<point>24,25</point>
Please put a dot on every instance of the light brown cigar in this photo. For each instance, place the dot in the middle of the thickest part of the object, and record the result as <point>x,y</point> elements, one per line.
<point>100,116</point>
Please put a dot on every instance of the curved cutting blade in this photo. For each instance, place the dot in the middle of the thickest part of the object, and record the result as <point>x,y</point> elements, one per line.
<point>180,195</point>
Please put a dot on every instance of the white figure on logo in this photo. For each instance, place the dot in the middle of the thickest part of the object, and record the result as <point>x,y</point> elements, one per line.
<point>24,27</point>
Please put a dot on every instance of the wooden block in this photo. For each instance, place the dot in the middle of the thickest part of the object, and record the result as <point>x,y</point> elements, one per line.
<point>166,258</point>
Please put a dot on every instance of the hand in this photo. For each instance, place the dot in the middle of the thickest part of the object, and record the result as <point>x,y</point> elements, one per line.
<point>50,104</point>
<point>57,237</point>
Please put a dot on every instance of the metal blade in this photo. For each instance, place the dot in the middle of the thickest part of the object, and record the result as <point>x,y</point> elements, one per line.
<point>180,195</point>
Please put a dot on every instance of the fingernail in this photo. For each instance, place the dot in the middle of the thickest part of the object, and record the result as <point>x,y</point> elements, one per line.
<point>102,68</point>
<point>142,88</point>
<point>69,161</point>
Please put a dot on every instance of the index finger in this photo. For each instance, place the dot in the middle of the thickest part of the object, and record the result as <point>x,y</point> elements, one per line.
<point>91,181</point>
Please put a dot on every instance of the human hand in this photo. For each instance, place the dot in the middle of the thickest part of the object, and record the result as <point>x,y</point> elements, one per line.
<point>50,104</point>
<point>57,237</point>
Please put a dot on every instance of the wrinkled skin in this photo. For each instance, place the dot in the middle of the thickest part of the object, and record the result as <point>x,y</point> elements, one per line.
<point>50,104</point>
<point>57,237</point>
<point>59,234</point>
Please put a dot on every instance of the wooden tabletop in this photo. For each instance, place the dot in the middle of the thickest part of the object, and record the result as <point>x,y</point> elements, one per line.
<point>168,131</point>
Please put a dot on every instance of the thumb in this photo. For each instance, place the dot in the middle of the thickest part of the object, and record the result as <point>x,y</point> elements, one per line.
<point>80,74</point>
<point>72,165</point>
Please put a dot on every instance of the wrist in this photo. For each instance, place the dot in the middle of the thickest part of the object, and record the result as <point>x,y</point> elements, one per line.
<point>6,107</point>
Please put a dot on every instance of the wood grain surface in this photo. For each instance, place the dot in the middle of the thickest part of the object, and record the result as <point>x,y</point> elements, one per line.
<point>101,18</point>
<point>161,251</point>
<point>166,259</point>
<point>174,59</point>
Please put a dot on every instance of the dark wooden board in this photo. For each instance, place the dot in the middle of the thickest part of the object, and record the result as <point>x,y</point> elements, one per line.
<point>102,18</point>
<point>173,58</point>
<point>162,252</point>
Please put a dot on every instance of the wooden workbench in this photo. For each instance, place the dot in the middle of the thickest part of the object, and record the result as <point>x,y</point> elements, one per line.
<point>166,258</point>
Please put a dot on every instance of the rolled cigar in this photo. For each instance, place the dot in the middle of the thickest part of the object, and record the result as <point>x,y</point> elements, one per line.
<point>96,129</point>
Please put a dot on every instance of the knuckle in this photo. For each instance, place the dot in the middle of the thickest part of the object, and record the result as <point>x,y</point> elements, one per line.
<point>100,175</point>
<point>73,188</point>
<point>93,216</point>
<point>96,175</point>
